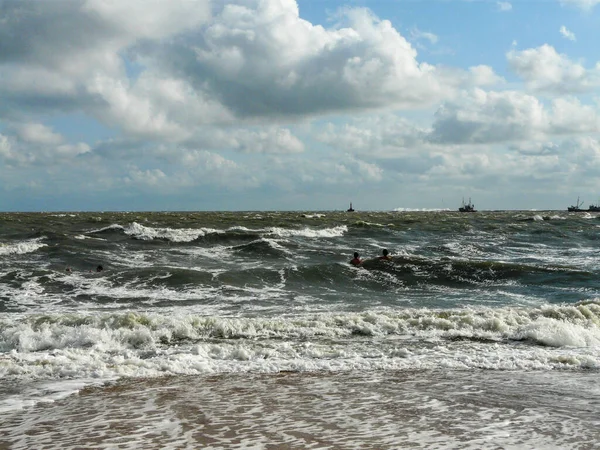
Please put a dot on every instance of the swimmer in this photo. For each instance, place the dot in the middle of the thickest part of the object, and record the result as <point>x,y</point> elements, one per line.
<point>385,255</point>
<point>356,260</point>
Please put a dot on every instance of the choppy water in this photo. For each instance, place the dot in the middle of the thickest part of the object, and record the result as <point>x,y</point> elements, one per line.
<point>257,294</point>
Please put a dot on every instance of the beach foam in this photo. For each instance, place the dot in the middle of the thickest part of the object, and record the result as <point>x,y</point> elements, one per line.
<point>383,410</point>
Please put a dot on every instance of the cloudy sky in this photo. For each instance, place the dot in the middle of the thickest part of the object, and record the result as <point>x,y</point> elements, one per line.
<point>298,104</point>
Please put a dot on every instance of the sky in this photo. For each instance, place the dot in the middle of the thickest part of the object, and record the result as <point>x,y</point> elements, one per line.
<point>194,105</point>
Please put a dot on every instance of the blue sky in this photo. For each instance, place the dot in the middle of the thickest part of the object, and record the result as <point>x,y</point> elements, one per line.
<point>298,104</point>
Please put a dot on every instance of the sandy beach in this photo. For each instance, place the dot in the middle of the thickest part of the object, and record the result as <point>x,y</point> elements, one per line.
<point>314,410</point>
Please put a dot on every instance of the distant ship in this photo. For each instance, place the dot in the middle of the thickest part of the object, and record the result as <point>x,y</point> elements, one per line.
<point>577,207</point>
<point>351,209</point>
<point>467,207</point>
<point>595,207</point>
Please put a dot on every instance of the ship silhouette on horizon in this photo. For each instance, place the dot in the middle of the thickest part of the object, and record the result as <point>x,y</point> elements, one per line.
<point>467,207</point>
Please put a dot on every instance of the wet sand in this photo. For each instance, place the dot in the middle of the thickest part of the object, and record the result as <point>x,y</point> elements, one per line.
<point>356,410</point>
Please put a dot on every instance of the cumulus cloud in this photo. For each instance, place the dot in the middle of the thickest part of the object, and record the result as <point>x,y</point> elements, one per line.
<point>481,155</point>
<point>151,177</point>
<point>259,58</point>
<point>483,76</point>
<point>219,93</point>
<point>570,116</point>
<point>38,133</point>
<point>486,117</point>
<point>386,136</point>
<point>72,34</point>
<point>37,145</point>
<point>74,61</point>
<point>560,159</point>
<point>535,148</point>
<point>545,69</point>
<point>190,169</point>
<point>510,116</point>
<point>567,34</point>
<point>348,170</point>
<point>160,70</point>
<point>273,140</point>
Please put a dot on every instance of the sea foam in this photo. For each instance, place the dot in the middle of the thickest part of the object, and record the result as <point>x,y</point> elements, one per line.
<point>20,248</point>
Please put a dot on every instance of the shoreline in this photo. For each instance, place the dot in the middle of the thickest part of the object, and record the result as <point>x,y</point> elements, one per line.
<point>383,410</point>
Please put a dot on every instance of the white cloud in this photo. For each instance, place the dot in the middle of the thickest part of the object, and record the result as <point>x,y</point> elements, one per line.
<point>38,133</point>
<point>245,60</point>
<point>153,19</point>
<point>345,170</point>
<point>259,58</point>
<point>224,94</point>
<point>492,117</point>
<point>486,117</point>
<point>38,145</point>
<point>546,70</point>
<point>418,35</point>
<point>483,76</point>
<point>570,116</point>
<point>270,140</point>
<point>567,34</point>
<point>151,177</point>
<point>75,59</point>
<point>259,140</point>
<point>460,163</point>
<point>586,5</point>
<point>208,161</point>
<point>5,147</point>
<point>188,169</point>
<point>475,117</point>
<point>385,136</point>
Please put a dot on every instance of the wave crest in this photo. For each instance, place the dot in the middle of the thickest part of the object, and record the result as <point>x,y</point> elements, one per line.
<point>21,248</point>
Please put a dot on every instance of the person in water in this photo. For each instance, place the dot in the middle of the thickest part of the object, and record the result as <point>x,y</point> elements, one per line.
<point>385,255</point>
<point>356,260</point>
<point>99,268</point>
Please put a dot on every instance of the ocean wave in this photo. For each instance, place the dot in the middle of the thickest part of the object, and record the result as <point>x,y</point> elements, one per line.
<point>170,234</point>
<point>365,224</point>
<point>313,216</point>
<point>143,344</point>
<point>556,326</point>
<point>183,235</point>
<point>309,232</point>
<point>261,247</point>
<point>540,218</point>
<point>451,270</point>
<point>421,209</point>
<point>112,227</point>
<point>20,248</point>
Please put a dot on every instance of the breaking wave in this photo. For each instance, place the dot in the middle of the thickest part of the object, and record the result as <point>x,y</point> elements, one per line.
<point>20,248</point>
<point>144,344</point>
<point>145,233</point>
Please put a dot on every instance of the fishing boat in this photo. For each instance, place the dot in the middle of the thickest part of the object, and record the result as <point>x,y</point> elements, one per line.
<point>595,207</point>
<point>577,207</point>
<point>467,207</point>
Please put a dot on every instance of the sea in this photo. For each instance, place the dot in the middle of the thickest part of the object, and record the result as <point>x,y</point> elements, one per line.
<point>251,330</point>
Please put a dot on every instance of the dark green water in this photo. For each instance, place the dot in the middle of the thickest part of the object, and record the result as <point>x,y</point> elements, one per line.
<point>266,263</point>
<point>202,293</point>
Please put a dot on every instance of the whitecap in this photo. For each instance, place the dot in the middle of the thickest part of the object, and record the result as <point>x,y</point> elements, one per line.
<point>20,248</point>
